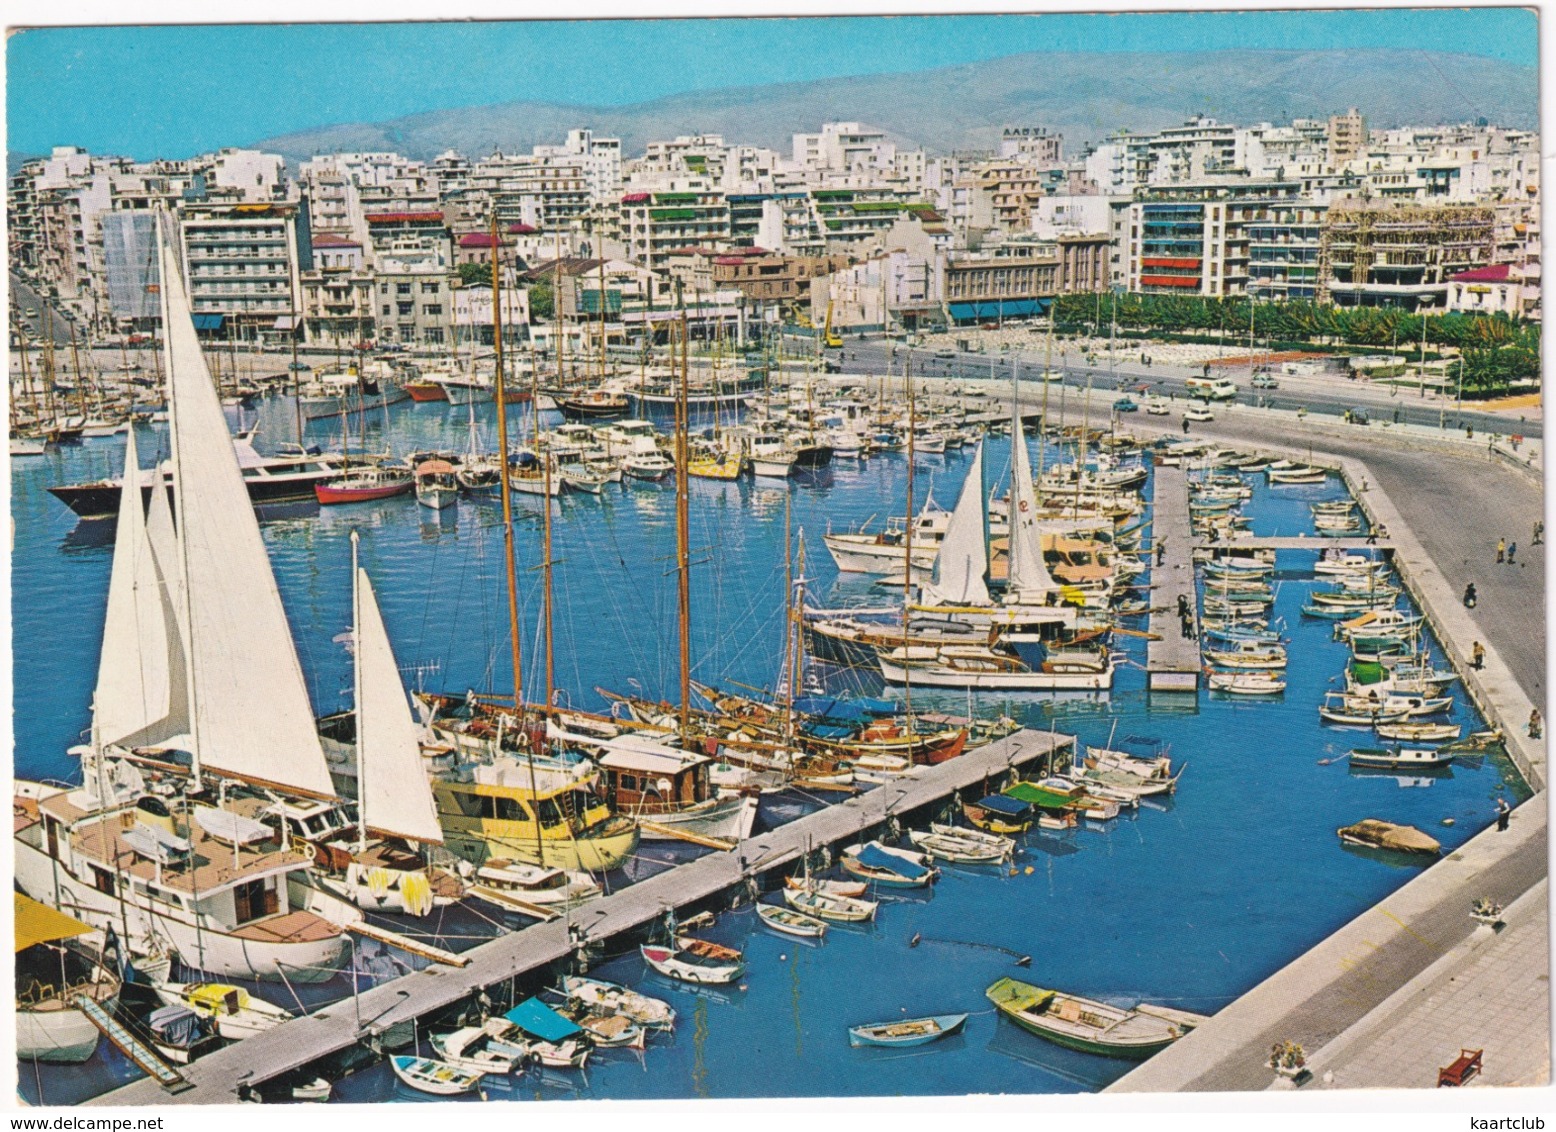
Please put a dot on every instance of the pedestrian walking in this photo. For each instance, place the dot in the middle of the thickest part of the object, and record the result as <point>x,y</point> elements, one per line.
<point>1161,551</point>
<point>1478,656</point>
<point>1539,533</point>
<point>1504,811</point>
<point>1501,550</point>
<point>1186,429</point>
<point>1534,723</point>
<point>1512,549</point>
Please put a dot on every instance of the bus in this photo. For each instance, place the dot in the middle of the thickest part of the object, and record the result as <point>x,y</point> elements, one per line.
<point>1211,388</point>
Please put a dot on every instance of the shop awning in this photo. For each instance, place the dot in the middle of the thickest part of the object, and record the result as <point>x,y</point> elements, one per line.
<point>38,923</point>
<point>209,321</point>
<point>284,322</point>
<point>998,308</point>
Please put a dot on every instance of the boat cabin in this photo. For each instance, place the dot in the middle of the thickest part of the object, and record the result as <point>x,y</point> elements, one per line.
<point>644,776</point>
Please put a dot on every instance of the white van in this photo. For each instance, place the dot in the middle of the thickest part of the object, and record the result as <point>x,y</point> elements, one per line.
<point>1211,388</point>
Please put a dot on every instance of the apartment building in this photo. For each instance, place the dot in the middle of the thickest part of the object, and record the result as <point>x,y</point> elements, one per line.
<point>243,264</point>
<point>1390,253</point>
<point>414,280</point>
<point>1032,145</point>
<point>654,225</point>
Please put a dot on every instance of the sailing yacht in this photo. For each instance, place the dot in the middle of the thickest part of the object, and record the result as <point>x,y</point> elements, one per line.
<point>198,688</point>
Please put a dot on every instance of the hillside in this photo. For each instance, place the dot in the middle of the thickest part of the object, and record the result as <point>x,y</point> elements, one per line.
<point>1082,95</point>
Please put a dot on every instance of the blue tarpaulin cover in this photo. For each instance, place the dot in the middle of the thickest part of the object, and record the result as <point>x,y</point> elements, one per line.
<point>828,707</point>
<point>535,1017</point>
<point>1003,805</point>
<point>176,1025</point>
<point>877,858</point>
<point>830,730</point>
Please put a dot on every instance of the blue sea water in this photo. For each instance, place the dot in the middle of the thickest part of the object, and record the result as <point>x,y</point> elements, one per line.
<point>1190,901</point>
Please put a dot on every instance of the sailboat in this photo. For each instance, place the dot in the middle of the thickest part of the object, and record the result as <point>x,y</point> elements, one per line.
<point>494,807</point>
<point>385,872</point>
<point>198,686</point>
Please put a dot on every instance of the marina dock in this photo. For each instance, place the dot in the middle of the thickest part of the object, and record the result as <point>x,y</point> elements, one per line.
<point>1172,659</point>
<point>215,1079</point>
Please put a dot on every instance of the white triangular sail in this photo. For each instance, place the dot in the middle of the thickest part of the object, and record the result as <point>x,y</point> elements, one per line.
<point>1029,582</point>
<point>962,566</point>
<point>393,791</point>
<point>133,670</point>
<point>250,713</point>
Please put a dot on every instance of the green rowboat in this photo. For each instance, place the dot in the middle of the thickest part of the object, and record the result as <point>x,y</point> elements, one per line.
<point>1090,1026</point>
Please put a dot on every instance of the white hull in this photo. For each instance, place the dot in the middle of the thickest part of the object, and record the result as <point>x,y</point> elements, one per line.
<point>55,1035</point>
<point>437,498</point>
<point>942,677</point>
<point>856,554</point>
<point>773,469</point>
<point>206,947</point>
<point>729,819</point>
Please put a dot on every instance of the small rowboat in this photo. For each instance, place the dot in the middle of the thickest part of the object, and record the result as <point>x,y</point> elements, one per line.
<point>1418,732</point>
<point>435,1077</point>
<point>960,851</point>
<point>1088,1025</point>
<point>790,922</point>
<point>1422,758</point>
<point>1246,683</point>
<point>850,888</point>
<point>976,836</point>
<point>469,1048</point>
<point>888,867</point>
<point>843,909</point>
<point>695,961</point>
<point>1374,833</point>
<point>610,998</point>
<point>912,1032</point>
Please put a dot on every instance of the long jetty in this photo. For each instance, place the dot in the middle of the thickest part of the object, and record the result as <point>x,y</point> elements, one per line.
<point>1172,658</point>
<point>215,1079</point>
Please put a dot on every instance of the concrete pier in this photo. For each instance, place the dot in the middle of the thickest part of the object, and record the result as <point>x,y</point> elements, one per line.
<point>1172,659</point>
<point>215,1079</point>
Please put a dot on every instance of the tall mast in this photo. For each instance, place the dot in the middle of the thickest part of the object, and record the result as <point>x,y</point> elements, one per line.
<point>556,308</point>
<point>546,458</point>
<point>1042,425</point>
<point>683,534</point>
<point>601,253</point>
<point>507,492</point>
<point>75,364</point>
<point>356,694</point>
<point>297,388</point>
<point>907,564</point>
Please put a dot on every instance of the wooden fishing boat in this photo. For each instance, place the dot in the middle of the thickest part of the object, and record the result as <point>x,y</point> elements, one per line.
<point>1245,683</point>
<point>469,1048</point>
<point>1417,732</point>
<point>998,814</point>
<point>606,1031</point>
<point>535,1030</point>
<point>1059,793</point>
<point>436,485</point>
<point>598,405</point>
<point>827,906</point>
<point>909,1032</point>
<point>887,867</point>
<point>54,970</point>
<point>791,922</point>
<point>1248,655</point>
<point>1375,833</point>
<point>436,1077</point>
<point>236,1013</point>
<point>611,998</point>
<point>849,888</point>
<point>1088,1025</point>
<point>422,391</point>
<point>960,850</point>
<point>363,485</point>
<point>1423,758</point>
<point>1349,711</point>
<point>695,961</point>
<point>1296,476</point>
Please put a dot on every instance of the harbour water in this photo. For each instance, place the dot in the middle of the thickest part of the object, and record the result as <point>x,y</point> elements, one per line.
<point>1187,902</point>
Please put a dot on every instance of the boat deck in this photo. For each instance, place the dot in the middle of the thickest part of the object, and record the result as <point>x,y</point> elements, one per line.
<point>1172,659</point>
<point>304,1040</point>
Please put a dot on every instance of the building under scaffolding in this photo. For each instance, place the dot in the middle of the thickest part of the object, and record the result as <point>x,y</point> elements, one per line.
<point>1390,254</point>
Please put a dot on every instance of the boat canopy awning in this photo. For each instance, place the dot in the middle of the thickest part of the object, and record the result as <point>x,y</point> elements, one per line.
<point>1000,804</point>
<point>644,756</point>
<point>535,1017</point>
<point>998,308</point>
<point>38,923</point>
<point>209,321</point>
<point>875,857</point>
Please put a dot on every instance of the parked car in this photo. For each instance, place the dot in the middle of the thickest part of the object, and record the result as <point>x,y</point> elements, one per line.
<point>1199,413</point>
<point>301,367</point>
<point>1156,407</point>
<point>1265,381</point>
<point>1125,405</point>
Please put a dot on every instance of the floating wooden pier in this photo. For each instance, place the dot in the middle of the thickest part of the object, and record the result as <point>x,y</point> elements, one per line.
<point>1172,659</point>
<point>214,1079</point>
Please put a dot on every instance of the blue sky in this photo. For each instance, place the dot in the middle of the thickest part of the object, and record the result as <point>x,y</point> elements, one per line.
<point>174,91</point>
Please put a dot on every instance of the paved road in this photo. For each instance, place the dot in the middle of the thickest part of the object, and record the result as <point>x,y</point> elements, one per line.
<point>873,356</point>
<point>24,297</point>
<point>1458,507</point>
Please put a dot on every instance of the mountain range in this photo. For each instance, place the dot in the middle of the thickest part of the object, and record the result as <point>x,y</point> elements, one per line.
<point>1084,96</point>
